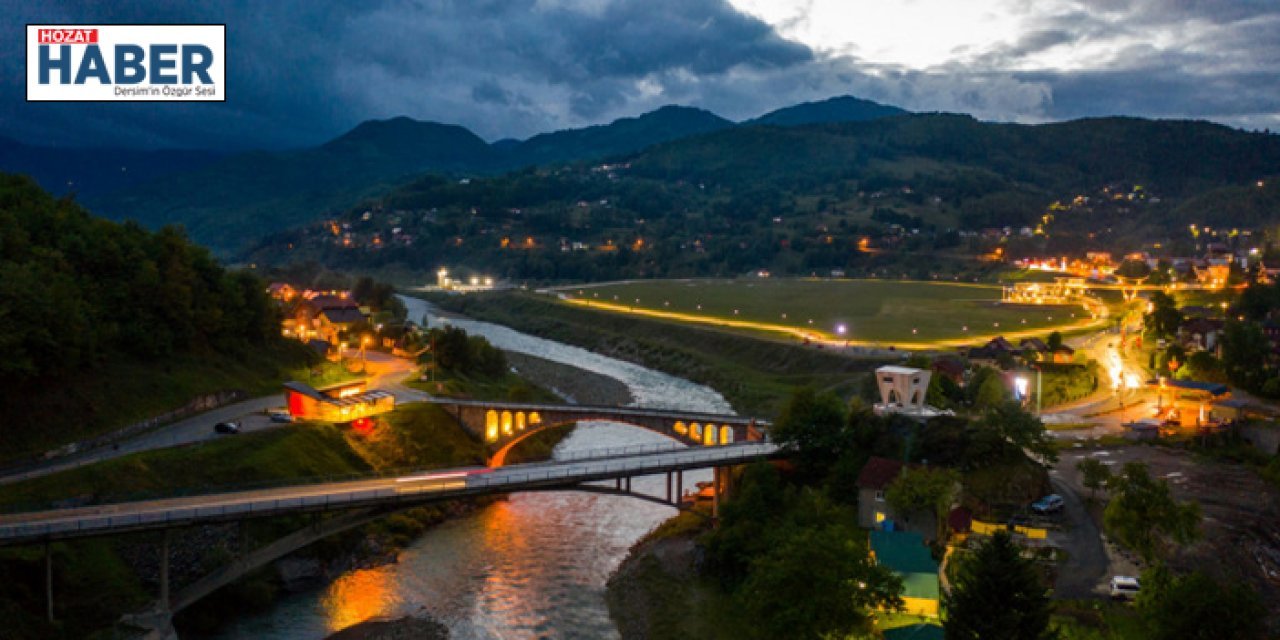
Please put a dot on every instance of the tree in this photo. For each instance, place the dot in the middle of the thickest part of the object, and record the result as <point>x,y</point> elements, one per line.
<point>1143,511</point>
<point>932,489</point>
<point>1054,340</point>
<point>998,595</point>
<point>991,393</point>
<point>812,423</point>
<point>1164,318</point>
<point>1021,429</point>
<point>817,582</point>
<point>1095,475</point>
<point>1196,607</point>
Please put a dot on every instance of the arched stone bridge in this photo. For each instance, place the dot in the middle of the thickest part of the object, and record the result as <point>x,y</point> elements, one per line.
<point>504,424</point>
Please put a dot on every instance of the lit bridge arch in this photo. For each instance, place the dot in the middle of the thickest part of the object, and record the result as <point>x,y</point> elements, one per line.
<point>502,425</point>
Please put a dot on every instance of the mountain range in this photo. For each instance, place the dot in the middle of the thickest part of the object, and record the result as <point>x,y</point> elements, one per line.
<point>228,201</point>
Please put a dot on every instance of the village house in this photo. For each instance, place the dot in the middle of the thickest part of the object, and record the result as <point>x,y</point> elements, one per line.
<point>874,511</point>
<point>326,317</point>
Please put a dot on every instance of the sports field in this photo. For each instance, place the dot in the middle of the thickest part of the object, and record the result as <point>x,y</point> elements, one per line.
<point>905,314</point>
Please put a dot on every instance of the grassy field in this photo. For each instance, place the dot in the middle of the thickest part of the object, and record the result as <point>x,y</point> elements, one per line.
<point>907,314</point>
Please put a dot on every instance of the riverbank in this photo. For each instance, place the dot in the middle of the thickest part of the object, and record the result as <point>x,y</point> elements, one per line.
<point>417,627</point>
<point>574,385</point>
<point>656,593</point>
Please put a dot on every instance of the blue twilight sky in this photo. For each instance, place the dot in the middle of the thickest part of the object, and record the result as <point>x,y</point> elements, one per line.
<point>302,71</point>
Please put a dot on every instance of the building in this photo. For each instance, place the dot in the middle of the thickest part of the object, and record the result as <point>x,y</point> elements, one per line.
<point>347,402</point>
<point>905,554</point>
<point>904,390</point>
<point>874,511</point>
<point>326,316</point>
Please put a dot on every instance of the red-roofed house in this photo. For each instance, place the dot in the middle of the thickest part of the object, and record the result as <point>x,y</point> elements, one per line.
<point>874,511</point>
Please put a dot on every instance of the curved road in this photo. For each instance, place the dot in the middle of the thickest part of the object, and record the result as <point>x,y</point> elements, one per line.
<point>386,372</point>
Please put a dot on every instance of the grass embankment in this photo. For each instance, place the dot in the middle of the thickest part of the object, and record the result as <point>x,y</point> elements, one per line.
<point>123,392</point>
<point>754,375</point>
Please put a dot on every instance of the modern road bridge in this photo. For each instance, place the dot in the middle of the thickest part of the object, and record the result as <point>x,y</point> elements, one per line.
<point>354,503</point>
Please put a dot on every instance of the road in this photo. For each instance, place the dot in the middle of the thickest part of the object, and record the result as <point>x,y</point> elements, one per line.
<point>1085,570</point>
<point>406,489</point>
<point>1107,409</point>
<point>384,370</point>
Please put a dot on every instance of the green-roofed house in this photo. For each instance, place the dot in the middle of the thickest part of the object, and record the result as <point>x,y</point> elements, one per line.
<point>905,553</point>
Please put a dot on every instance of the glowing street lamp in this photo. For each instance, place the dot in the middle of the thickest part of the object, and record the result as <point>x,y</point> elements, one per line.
<point>841,329</point>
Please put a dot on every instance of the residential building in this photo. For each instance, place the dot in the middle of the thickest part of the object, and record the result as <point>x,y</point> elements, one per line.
<point>905,554</point>
<point>874,511</point>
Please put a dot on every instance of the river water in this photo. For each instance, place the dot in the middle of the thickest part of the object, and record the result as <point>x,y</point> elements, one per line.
<point>532,566</point>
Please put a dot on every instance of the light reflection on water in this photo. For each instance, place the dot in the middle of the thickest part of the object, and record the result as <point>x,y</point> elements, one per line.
<point>532,566</point>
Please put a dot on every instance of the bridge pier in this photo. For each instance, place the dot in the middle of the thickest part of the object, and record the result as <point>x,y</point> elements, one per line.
<point>164,570</point>
<point>715,492</point>
<point>679,486</point>
<point>48,580</point>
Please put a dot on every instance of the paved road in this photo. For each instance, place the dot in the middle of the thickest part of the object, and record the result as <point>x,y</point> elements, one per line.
<point>1084,571</point>
<point>376,492</point>
<point>385,372</point>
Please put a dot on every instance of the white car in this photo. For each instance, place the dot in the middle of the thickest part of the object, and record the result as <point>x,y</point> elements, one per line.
<point>1124,587</point>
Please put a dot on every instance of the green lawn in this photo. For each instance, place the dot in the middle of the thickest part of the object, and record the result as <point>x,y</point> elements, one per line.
<point>872,311</point>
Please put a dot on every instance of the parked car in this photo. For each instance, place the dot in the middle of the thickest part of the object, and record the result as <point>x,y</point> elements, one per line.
<point>227,427</point>
<point>281,416</point>
<point>1124,587</point>
<point>1051,503</point>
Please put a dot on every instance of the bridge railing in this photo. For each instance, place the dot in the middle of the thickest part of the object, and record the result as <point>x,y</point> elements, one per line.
<point>159,515</point>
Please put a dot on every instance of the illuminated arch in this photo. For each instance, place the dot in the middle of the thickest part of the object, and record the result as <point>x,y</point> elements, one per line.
<point>520,421</point>
<point>726,434</point>
<point>491,425</point>
<point>695,431</point>
<point>681,428</point>
<point>709,435</point>
<point>506,423</point>
<point>535,418</point>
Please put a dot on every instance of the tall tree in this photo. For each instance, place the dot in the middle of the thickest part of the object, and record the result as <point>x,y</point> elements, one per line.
<point>932,489</point>
<point>1143,512</point>
<point>1095,475</point>
<point>813,424</point>
<point>818,582</point>
<point>1197,607</point>
<point>998,595</point>
<point>1164,318</point>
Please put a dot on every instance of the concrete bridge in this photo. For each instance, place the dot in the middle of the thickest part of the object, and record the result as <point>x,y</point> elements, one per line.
<point>351,504</point>
<point>502,425</point>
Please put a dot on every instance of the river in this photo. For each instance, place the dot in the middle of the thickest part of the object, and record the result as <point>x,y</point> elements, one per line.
<point>532,566</point>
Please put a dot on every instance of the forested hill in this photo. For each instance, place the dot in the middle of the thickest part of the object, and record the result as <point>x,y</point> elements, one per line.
<point>81,296</point>
<point>229,204</point>
<point>799,200</point>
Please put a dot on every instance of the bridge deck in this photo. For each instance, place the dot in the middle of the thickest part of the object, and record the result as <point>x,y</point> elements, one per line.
<point>635,412</point>
<point>405,490</point>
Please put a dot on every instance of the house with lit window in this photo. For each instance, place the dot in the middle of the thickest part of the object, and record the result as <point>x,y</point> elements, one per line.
<point>874,511</point>
<point>327,316</point>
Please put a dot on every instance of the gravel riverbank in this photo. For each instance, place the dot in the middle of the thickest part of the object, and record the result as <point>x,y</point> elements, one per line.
<point>575,385</point>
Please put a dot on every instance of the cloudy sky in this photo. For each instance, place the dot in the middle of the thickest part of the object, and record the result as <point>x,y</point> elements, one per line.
<point>302,71</point>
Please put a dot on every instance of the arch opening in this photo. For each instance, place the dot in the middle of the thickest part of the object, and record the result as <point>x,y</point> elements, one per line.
<point>681,428</point>
<point>491,425</point>
<point>506,423</point>
<point>520,421</point>
<point>726,434</point>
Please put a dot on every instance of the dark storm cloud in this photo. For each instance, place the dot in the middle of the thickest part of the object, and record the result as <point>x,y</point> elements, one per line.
<point>301,71</point>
